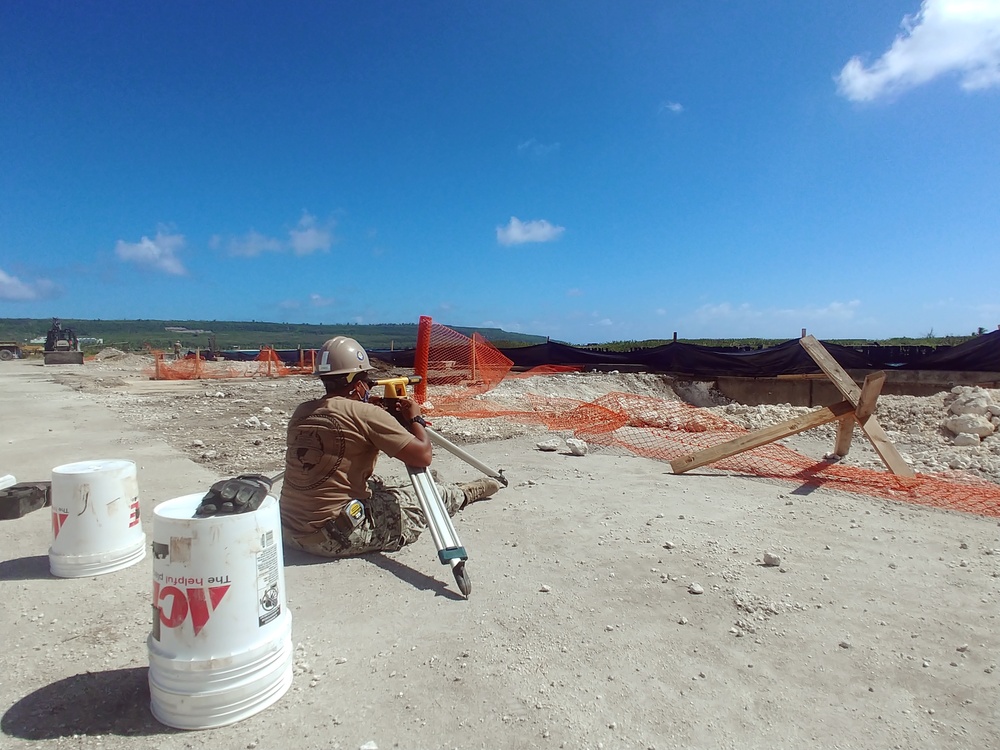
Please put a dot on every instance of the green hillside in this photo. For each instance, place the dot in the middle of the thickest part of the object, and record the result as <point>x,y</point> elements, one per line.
<point>135,335</point>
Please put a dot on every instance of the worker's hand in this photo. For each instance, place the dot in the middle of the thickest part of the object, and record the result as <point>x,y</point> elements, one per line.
<point>243,494</point>
<point>404,410</point>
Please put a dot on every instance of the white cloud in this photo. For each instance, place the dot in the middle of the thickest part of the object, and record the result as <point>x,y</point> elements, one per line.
<point>309,237</point>
<point>252,244</point>
<point>519,232</point>
<point>533,147</point>
<point>674,107</point>
<point>159,253</point>
<point>574,292</point>
<point>944,36</point>
<point>12,289</point>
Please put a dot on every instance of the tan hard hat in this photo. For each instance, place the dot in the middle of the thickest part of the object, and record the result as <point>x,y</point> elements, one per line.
<point>342,356</point>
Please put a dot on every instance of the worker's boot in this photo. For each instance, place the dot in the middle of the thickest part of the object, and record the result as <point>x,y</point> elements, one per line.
<point>480,489</point>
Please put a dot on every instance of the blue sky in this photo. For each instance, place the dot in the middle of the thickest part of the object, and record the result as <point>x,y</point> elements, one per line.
<point>589,171</point>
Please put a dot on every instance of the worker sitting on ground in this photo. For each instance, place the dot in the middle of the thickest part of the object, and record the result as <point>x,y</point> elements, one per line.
<point>331,504</point>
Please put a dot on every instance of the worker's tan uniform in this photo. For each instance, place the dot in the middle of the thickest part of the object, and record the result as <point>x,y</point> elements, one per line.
<point>333,444</point>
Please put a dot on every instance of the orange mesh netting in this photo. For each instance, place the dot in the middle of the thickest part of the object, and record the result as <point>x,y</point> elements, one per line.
<point>447,358</point>
<point>463,369</point>
<point>266,365</point>
<point>667,430</point>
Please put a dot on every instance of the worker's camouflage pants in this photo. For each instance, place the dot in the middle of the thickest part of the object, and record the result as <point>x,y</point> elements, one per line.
<point>393,518</point>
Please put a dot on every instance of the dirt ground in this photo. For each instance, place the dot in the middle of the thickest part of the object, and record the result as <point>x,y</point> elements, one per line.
<point>878,628</point>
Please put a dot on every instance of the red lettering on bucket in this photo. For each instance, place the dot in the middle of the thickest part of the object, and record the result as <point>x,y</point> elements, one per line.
<point>58,519</point>
<point>184,602</point>
<point>133,512</point>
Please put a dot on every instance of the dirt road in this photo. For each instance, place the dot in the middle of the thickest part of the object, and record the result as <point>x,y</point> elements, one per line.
<point>877,629</point>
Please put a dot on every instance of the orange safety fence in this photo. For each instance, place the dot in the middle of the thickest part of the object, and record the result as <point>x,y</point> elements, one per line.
<point>267,364</point>
<point>462,370</point>
<point>449,359</point>
<point>666,430</point>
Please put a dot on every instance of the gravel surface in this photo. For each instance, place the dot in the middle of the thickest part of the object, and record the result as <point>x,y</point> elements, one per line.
<point>614,604</point>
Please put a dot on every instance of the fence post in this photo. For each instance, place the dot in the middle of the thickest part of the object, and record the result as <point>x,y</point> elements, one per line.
<point>421,356</point>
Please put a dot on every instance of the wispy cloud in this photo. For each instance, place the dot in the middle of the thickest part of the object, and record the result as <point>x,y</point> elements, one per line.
<point>749,320</point>
<point>318,300</point>
<point>574,292</point>
<point>674,107</point>
<point>534,148</point>
<point>518,232</point>
<point>13,289</point>
<point>309,236</point>
<point>306,237</point>
<point>159,253</point>
<point>944,36</point>
<point>253,243</point>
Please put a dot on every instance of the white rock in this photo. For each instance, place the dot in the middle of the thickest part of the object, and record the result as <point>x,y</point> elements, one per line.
<point>576,446</point>
<point>965,438</point>
<point>972,423</point>
<point>696,588</point>
<point>550,445</point>
<point>771,560</point>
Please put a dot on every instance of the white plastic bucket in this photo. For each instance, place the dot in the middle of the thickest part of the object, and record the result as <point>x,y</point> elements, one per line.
<point>220,649</point>
<point>95,518</point>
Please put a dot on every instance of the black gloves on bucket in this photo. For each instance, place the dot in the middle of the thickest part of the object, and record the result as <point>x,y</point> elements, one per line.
<point>243,494</point>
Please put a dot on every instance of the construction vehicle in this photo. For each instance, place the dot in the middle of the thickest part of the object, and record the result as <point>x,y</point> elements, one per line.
<point>10,350</point>
<point>62,346</point>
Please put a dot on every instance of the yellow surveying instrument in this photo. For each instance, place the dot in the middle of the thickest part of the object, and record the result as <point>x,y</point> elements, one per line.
<point>450,549</point>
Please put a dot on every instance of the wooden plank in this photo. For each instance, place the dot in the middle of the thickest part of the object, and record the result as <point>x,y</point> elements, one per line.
<point>885,449</point>
<point>844,383</point>
<point>869,395</point>
<point>845,433</point>
<point>763,437</point>
<point>871,428</point>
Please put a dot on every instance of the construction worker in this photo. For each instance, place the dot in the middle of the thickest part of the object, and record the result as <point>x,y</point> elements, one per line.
<point>331,504</point>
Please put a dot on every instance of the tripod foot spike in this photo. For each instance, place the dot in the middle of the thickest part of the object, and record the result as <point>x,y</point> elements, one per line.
<point>462,578</point>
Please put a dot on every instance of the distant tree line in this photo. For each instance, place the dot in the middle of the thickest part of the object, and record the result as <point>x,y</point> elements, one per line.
<point>139,335</point>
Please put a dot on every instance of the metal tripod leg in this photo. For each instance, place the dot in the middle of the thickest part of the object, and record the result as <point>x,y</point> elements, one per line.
<point>469,459</point>
<point>450,549</point>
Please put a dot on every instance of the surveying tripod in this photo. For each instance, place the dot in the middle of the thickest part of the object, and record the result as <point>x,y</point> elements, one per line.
<point>449,547</point>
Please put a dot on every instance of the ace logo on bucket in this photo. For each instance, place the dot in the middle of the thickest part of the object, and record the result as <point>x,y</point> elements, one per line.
<point>174,605</point>
<point>58,519</point>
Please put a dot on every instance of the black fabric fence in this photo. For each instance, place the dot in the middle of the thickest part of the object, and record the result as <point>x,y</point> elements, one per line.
<point>980,354</point>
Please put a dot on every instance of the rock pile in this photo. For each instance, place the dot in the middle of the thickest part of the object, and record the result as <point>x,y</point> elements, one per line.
<point>975,416</point>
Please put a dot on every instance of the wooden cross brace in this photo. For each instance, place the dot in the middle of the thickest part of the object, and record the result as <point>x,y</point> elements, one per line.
<point>858,406</point>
